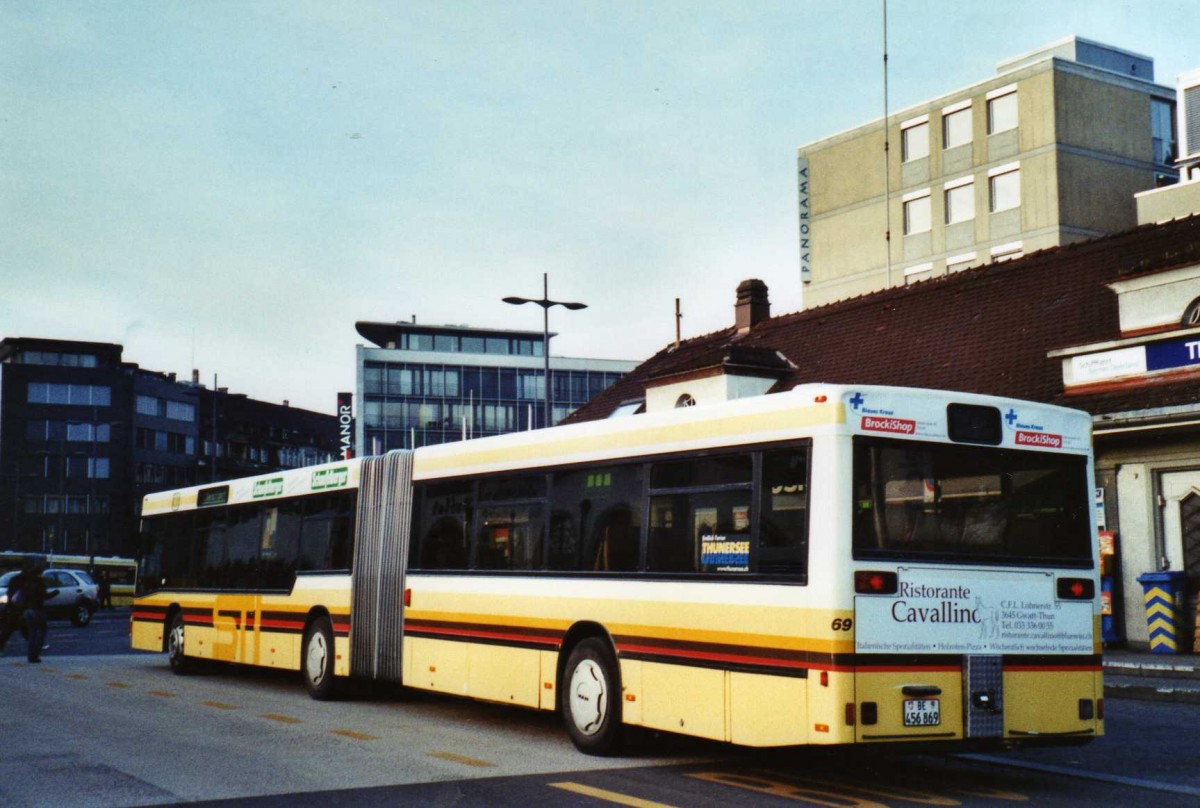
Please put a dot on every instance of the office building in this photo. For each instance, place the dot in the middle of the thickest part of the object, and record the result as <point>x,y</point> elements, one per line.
<point>420,385</point>
<point>85,435</point>
<point>1047,152</point>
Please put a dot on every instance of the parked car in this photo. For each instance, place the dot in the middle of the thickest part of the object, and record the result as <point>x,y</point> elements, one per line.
<point>76,595</point>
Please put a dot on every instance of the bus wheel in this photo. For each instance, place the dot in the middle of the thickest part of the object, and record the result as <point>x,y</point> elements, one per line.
<point>180,663</point>
<point>591,699</point>
<point>317,661</point>
<point>81,615</point>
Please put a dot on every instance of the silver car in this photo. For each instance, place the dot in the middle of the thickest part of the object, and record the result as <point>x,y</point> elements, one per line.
<point>72,594</point>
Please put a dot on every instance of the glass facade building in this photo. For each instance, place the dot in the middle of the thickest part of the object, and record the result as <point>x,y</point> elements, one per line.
<point>424,385</point>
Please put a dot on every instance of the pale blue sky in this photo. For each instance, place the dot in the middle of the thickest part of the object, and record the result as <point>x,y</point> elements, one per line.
<point>241,182</point>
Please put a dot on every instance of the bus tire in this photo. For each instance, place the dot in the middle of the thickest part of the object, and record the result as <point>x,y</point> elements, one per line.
<point>316,661</point>
<point>180,663</point>
<point>590,699</point>
<point>81,615</point>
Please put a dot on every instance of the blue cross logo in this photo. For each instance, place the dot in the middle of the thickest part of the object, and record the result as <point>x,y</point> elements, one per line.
<point>1011,416</point>
<point>856,401</point>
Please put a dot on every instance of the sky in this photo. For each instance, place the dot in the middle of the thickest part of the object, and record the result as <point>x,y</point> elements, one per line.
<point>230,186</point>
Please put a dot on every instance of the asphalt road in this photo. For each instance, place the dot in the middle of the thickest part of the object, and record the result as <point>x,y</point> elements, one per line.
<point>95,727</point>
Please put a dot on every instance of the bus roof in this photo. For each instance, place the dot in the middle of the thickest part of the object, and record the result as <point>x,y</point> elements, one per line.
<point>342,474</point>
<point>805,410</point>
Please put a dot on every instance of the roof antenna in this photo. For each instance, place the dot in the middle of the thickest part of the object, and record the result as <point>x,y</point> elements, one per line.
<point>887,160</point>
<point>678,321</point>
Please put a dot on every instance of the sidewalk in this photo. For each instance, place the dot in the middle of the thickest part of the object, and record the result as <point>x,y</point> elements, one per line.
<point>1151,677</point>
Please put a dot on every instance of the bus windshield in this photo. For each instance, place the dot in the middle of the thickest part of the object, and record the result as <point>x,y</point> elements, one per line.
<point>969,504</point>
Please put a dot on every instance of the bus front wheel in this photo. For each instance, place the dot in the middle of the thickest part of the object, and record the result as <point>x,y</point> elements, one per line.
<point>317,661</point>
<point>179,662</point>
<point>591,698</point>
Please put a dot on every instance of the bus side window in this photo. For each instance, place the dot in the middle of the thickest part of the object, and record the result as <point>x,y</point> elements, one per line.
<point>208,549</point>
<point>326,532</point>
<point>444,526</point>
<point>707,526</point>
<point>596,524</point>
<point>783,521</point>
<point>511,536</point>
<point>280,545</point>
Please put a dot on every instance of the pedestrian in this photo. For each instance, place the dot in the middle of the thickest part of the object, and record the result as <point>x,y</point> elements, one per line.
<point>30,596</point>
<point>10,615</point>
<point>105,593</point>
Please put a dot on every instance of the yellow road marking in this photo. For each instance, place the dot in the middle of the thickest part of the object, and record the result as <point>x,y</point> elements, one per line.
<point>76,675</point>
<point>466,761</point>
<point>610,796</point>
<point>118,684</point>
<point>283,719</point>
<point>791,791</point>
<point>219,705</point>
<point>995,794</point>
<point>358,736</point>
<point>166,694</point>
<point>48,670</point>
<point>893,791</point>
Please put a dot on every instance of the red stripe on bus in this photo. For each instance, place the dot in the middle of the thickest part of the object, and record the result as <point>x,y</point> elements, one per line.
<point>712,656</point>
<point>489,635</point>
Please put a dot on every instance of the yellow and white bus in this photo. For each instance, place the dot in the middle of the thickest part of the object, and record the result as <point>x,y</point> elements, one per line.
<point>830,565</point>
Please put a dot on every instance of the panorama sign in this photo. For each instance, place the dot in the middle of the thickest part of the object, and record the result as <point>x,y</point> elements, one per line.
<point>953,611</point>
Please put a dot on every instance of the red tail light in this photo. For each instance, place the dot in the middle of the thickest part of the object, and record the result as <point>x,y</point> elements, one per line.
<point>1076,589</point>
<point>870,582</point>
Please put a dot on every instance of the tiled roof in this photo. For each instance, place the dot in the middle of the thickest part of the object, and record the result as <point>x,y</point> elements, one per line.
<point>984,330</point>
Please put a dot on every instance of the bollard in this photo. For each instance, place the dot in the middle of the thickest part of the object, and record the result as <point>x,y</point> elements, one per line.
<point>1163,595</point>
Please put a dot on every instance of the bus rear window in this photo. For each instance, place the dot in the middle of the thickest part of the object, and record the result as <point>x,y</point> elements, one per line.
<point>953,503</point>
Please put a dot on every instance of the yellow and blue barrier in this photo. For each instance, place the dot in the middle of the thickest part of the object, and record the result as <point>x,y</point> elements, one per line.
<point>1163,593</point>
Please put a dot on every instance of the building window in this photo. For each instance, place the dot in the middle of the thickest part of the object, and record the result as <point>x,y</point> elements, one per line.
<point>917,218</point>
<point>1002,112</point>
<point>920,272</point>
<point>960,201</point>
<point>1007,252</point>
<point>181,411</point>
<point>83,394</point>
<point>957,263</point>
<point>914,140</point>
<point>956,126</point>
<point>685,400</point>
<point>1004,189</point>
<point>147,405</point>
<point>1162,131</point>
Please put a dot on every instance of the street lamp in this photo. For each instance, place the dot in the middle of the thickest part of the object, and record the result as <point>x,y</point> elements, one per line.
<point>546,303</point>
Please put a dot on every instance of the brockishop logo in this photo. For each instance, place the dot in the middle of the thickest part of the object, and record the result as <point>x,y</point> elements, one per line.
<point>268,488</point>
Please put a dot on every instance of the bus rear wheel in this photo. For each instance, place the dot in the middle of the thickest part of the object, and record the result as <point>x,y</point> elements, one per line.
<point>180,663</point>
<point>591,698</point>
<point>316,663</point>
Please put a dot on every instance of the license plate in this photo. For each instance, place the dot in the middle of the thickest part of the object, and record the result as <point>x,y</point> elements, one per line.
<point>922,712</point>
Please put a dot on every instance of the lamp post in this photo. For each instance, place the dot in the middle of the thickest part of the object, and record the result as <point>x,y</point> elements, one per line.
<point>545,302</point>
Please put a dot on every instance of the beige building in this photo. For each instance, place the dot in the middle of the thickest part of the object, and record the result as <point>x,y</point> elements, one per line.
<point>1049,151</point>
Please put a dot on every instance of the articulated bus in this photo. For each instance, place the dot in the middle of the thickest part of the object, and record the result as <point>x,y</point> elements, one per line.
<point>830,565</point>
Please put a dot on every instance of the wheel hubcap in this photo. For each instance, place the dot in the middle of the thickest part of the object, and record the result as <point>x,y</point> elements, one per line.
<point>175,641</point>
<point>316,657</point>
<point>589,697</point>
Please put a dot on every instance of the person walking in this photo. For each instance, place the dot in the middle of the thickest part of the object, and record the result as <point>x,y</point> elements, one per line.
<point>31,596</point>
<point>10,615</point>
<point>105,590</point>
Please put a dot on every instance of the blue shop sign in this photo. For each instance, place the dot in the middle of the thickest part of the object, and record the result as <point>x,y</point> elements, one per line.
<point>1179,353</point>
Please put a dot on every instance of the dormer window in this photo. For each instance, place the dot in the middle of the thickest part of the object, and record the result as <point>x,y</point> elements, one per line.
<point>685,400</point>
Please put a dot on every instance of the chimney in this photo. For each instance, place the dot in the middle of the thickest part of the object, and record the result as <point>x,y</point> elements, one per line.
<point>196,376</point>
<point>753,306</point>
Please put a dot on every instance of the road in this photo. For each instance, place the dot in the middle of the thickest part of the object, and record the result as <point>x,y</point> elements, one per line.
<point>101,726</point>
